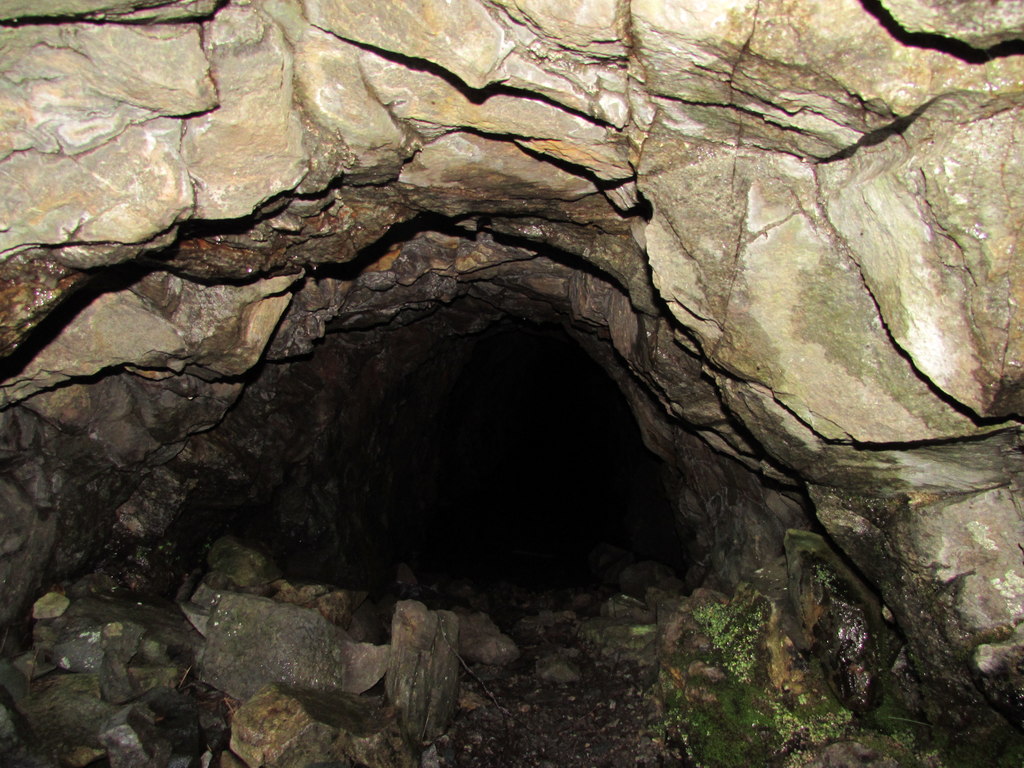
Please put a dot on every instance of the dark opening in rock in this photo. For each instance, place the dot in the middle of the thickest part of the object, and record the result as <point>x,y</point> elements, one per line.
<point>259,261</point>
<point>541,460</point>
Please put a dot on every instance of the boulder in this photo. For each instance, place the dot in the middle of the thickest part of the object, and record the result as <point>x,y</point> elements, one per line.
<point>366,625</point>
<point>608,561</point>
<point>66,715</point>
<point>286,727</point>
<point>132,645</point>
<point>252,641</point>
<point>244,565</point>
<point>160,730</point>
<point>627,607</point>
<point>422,679</point>
<point>481,641</point>
<point>50,606</point>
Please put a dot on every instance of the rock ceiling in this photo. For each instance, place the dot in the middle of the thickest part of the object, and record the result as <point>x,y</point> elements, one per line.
<point>788,227</point>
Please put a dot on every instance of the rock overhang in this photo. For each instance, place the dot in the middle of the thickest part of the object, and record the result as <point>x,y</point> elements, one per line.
<point>808,262</point>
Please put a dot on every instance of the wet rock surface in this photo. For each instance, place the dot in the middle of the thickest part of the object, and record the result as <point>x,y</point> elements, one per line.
<point>699,679</point>
<point>246,246</point>
<point>841,620</point>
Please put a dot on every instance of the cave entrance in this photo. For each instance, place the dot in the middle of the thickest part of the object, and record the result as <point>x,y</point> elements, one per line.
<point>540,461</point>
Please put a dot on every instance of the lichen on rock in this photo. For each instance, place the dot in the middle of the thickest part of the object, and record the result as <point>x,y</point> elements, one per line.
<point>245,245</point>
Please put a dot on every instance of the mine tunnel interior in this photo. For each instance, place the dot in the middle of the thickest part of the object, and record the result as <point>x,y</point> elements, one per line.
<point>541,460</point>
<point>510,456</point>
<point>305,299</point>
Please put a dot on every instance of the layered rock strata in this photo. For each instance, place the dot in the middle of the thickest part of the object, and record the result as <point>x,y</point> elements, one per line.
<point>788,229</point>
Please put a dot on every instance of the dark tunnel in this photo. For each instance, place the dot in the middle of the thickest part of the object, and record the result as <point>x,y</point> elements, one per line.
<point>541,460</point>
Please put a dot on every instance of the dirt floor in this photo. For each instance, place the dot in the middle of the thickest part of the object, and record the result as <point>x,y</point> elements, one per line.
<point>513,716</point>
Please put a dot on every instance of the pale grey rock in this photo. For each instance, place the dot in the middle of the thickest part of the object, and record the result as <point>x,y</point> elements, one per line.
<point>98,340</point>
<point>965,539</point>
<point>592,26</point>
<point>251,148</point>
<point>590,85</point>
<point>932,225</point>
<point>227,327</point>
<point>164,322</point>
<point>464,164</point>
<point>113,201</point>
<point>999,668</point>
<point>243,565</point>
<point>307,649</point>
<point>365,665</point>
<point>955,466</point>
<point>482,642</point>
<point>460,35</point>
<point>814,340</point>
<point>334,92</point>
<point>436,106</point>
<point>253,641</point>
<point>74,88</point>
<point>108,10</point>
<point>422,679</point>
<point>50,606</point>
<point>978,23</point>
<point>795,66</point>
<point>943,560</point>
<point>482,47</point>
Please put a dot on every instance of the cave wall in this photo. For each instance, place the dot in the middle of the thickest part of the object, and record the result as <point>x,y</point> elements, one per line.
<point>787,229</point>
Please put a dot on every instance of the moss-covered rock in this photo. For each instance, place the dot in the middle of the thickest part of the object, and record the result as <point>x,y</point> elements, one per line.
<point>734,691</point>
<point>722,703</point>
<point>841,620</point>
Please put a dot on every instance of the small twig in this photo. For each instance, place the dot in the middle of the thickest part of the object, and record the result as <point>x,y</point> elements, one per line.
<point>231,706</point>
<point>475,676</point>
<point>908,720</point>
<point>184,675</point>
